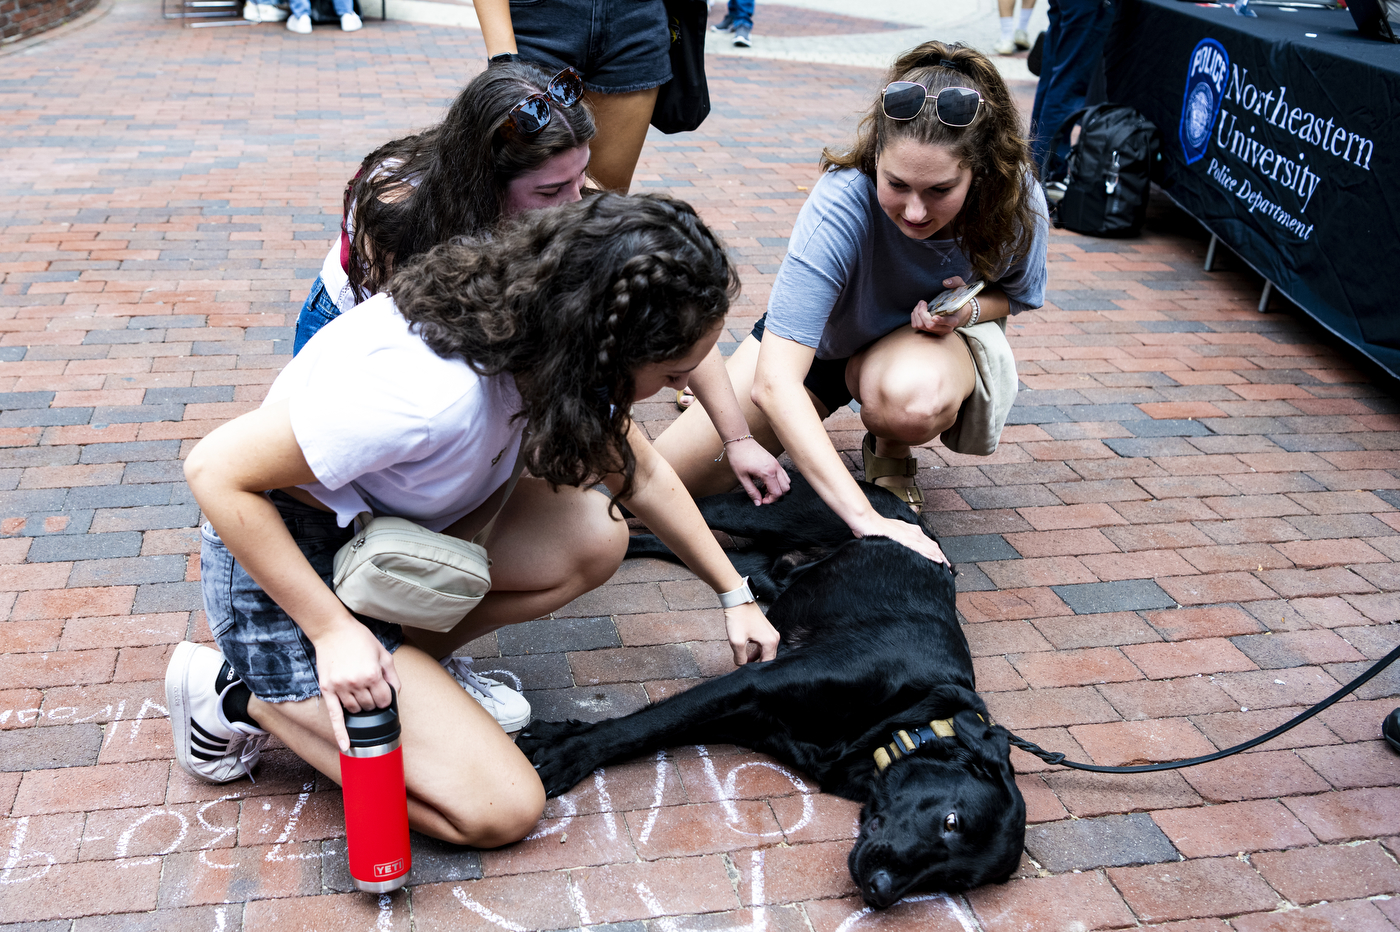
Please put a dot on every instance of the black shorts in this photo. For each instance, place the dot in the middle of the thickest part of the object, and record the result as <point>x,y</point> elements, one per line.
<point>826,379</point>
<point>617,45</point>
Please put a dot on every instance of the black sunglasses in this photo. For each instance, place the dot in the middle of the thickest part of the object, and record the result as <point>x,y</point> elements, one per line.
<point>954,106</point>
<point>532,114</point>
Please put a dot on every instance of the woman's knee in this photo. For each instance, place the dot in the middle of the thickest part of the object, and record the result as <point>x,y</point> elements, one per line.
<point>603,542</point>
<point>911,413</point>
<point>504,816</point>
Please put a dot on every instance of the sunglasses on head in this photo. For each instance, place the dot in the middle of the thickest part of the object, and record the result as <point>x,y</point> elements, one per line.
<point>532,114</point>
<point>954,106</point>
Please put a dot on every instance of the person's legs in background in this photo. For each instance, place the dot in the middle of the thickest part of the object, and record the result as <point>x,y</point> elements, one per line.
<point>1073,54</point>
<point>349,19</point>
<point>741,12</point>
<point>300,20</point>
<point>1013,27</point>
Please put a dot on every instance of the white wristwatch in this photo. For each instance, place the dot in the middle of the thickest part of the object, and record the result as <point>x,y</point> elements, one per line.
<point>736,597</point>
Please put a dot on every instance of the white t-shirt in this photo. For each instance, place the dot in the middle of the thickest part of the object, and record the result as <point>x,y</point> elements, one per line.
<point>389,426</point>
<point>335,279</point>
<point>333,274</point>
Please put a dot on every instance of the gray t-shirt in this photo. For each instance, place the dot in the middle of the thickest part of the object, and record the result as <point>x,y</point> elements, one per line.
<point>850,276</point>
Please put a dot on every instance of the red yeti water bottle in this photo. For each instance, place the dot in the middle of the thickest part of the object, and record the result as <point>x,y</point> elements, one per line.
<point>376,802</point>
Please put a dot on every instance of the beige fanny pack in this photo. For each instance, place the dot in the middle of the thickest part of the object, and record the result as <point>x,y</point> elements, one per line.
<point>401,572</point>
<point>977,431</point>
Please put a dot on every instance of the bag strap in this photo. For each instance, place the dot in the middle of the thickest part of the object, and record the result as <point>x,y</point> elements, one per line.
<point>365,517</point>
<point>485,532</point>
<point>1062,132</point>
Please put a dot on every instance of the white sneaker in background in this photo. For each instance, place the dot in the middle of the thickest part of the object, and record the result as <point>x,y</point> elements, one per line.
<point>510,709</point>
<point>301,25</point>
<point>1005,47</point>
<point>1022,39</point>
<point>263,13</point>
<point>349,22</point>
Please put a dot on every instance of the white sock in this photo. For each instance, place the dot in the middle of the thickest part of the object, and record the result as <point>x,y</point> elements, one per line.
<point>1024,20</point>
<point>1008,26</point>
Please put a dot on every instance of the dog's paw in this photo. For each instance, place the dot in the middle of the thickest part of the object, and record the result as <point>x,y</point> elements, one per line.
<point>561,753</point>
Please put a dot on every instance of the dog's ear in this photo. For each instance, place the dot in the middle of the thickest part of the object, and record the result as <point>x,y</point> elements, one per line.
<point>976,732</point>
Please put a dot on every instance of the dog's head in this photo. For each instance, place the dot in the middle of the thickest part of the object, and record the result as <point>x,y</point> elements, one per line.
<point>946,818</point>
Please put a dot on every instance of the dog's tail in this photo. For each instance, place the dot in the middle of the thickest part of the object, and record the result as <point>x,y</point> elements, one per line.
<point>649,545</point>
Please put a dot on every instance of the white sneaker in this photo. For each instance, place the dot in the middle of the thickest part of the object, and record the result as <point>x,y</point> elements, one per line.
<point>510,709</point>
<point>1022,40</point>
<point>349,22</point>
<point>299,24</point>
<point>208,745</point>
<point>1003,46</point>
<point>263,13</point>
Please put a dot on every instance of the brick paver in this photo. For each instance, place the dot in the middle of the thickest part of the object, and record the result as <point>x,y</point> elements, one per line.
<point>1189,533</point>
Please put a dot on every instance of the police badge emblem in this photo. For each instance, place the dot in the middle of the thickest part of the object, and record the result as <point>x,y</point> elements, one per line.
<point>1206,75</point>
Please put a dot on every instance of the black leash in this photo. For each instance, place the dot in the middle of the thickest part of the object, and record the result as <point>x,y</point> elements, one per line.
<point>1052,757</point>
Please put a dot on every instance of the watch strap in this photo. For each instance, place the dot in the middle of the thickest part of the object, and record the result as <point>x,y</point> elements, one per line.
<point>736,597</point>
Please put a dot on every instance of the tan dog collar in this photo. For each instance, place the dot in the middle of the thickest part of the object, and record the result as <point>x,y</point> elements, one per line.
<point>906,742</point>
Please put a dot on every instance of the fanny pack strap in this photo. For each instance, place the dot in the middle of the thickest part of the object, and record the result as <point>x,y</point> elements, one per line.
<point>365,517</point>
<point>480,538</point>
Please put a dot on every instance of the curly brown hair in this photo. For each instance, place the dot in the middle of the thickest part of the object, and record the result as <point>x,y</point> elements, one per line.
<point>997,221</point>
<point>415,192</point>
<point>570,301</point>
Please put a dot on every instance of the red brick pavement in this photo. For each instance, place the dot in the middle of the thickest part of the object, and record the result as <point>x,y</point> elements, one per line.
<point>1189,532</point>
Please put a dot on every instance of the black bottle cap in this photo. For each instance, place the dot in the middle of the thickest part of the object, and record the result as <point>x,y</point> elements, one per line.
<point>373,727</point>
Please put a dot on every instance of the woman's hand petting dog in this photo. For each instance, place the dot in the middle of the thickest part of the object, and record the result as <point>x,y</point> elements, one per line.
<point>758,471</point>
<point>910,535</point>
<point>751,637</point>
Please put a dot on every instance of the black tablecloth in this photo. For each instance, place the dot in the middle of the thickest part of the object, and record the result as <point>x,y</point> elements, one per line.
<point>1281,134</point>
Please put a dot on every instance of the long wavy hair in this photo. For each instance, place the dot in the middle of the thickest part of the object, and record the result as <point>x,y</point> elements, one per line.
<point>571,301</point>
<point>997,221</point>
<point>449,180</point>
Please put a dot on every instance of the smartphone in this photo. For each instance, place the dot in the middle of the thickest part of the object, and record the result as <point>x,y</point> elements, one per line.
<point>950,302</point>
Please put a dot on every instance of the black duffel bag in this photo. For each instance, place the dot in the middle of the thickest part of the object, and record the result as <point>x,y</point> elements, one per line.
<point>683,102</point>
<point>1109,173</point>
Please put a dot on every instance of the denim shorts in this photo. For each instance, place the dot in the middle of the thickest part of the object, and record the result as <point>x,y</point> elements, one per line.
<point>320,309</point>
<point>826,379</point>
<point>259,640</point>
<point>617,45</point>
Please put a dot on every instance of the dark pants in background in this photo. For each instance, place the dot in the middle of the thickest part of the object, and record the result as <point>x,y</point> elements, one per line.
<point>1073,59</point>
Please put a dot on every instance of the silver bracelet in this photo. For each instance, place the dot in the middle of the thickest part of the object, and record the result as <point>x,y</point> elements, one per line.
<point>736,597</point>
<point>976,312</point>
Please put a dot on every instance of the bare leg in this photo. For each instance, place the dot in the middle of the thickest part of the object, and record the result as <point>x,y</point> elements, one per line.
<point>622,121</point>
<point>467,782</point>
<point>910,386</point>
<point>547,549</point>
<point>691,443</point>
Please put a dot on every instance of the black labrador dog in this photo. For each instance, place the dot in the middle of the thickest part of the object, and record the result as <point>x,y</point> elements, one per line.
<point>871,694</point>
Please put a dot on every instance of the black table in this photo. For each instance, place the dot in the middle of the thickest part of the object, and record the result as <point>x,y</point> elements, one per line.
<point>1281,134</point>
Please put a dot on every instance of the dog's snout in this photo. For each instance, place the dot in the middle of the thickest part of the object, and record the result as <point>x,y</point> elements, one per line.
<point>878,889</point>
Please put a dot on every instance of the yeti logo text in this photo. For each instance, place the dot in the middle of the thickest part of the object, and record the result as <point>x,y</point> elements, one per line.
<point>1206,74</point>
<point>389,869</point>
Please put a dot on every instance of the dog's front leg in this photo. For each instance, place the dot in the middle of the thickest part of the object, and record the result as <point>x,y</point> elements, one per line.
<point>719,710</point>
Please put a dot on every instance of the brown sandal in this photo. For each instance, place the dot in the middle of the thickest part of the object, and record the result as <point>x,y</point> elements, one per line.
<point>892,473</point>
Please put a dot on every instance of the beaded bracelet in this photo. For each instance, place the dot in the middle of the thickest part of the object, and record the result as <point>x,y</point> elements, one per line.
<point>728,442</point>
<point>976,312</point>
